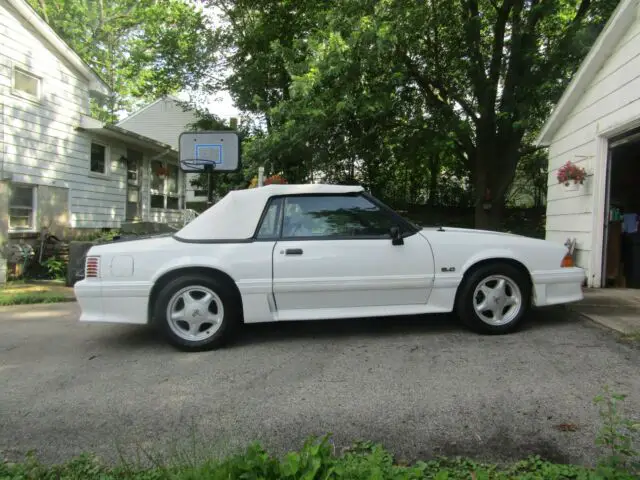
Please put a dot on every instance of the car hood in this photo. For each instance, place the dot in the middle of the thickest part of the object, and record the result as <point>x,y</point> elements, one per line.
<point>470,231</point>
<point>483,236</point>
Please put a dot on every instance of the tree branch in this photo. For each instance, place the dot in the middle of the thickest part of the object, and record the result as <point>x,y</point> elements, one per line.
<point>474,40</point>
<point>529,150</point>
<point>43,6</point>
<point>498,45</point>
<point>555,57</point>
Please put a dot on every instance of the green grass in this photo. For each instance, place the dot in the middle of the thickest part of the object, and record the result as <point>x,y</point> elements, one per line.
<point>316,460</point>
<point>7,299</point>
<point>631,337</point>
<point>19,292</point>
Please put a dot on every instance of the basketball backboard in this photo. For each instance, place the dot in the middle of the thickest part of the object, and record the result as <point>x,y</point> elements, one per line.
<point>220,150</point>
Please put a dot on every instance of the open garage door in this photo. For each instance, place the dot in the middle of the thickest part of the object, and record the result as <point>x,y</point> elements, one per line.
<point>621,265</point>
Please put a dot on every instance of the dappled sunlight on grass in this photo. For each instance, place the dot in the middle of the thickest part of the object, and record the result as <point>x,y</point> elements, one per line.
<point>20,293</point>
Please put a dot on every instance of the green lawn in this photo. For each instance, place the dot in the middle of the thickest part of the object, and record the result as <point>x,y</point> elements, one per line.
<point>21,293</point>
<point>316,460</point>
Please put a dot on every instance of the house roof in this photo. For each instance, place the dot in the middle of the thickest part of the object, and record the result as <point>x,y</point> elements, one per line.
<point>115,132</point>
<point>96,84</point>
<point>617,26</point>
<point>146,107</point>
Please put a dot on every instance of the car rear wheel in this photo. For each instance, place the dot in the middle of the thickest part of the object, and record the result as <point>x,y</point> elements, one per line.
<point>196,312</point>
<point>494,299</point>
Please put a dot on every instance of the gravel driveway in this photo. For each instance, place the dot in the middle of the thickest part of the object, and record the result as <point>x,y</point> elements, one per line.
<point>421,386</point>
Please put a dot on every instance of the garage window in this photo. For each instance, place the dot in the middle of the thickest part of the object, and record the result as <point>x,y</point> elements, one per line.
<point>22,208</point>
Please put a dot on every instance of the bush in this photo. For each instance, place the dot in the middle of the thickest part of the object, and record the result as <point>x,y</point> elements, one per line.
<point>56,268</point>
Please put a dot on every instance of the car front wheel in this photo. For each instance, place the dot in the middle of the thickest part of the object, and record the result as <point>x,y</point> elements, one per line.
<point>494,299</point>
<point>196,312</point>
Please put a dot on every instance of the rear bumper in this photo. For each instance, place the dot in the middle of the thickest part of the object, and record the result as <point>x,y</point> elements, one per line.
<point>112,302</point>
<point>555,287</point>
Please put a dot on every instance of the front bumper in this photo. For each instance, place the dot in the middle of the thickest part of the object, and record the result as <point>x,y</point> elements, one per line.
<point>555,287</point>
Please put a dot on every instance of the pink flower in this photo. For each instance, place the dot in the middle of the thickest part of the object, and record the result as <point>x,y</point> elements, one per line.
<point>571,172</point>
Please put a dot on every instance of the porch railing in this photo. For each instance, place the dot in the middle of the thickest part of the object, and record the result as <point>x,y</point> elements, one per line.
<point>188,215</point>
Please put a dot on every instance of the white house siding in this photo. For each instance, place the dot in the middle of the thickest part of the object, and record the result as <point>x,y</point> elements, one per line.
<point>164,121</point>
<point>40,141</point>
<point>611,100</point>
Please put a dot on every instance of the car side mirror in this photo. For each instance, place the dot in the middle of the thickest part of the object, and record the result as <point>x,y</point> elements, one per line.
<point>396,236</point>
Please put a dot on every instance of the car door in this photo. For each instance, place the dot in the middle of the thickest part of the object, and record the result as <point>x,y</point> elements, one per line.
<point>335,257</point>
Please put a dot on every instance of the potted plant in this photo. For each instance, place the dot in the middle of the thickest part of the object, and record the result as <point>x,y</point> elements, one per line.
<point>571,176</point>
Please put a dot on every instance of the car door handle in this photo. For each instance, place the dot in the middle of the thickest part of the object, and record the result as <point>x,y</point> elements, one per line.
<point>293,251</point>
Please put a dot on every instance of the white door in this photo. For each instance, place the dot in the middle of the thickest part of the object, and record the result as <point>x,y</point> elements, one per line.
<point>335,258</point>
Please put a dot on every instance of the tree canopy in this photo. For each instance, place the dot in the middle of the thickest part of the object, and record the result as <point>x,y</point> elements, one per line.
<point>429,101</point>
<point>142,49</point>
<point>406,97</point>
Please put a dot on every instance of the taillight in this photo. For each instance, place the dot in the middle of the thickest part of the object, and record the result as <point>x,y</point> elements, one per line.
<point>567,261</point>
<point>92,267</point>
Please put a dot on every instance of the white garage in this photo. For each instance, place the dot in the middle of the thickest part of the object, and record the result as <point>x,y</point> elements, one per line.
<point>596,127</point>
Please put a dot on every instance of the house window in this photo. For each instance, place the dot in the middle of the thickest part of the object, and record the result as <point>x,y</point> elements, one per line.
<point>98,158</point>
<point>165,185</point>
<point>26,83</point>
<point>22,208</point>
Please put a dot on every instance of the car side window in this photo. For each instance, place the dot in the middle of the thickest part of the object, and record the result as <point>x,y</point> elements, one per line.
<point>270,226</point>
<point>334,216</point>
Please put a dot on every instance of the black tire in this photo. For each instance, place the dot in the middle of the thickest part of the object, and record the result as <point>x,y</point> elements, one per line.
<point>465,299</point>
<point>231,318</point>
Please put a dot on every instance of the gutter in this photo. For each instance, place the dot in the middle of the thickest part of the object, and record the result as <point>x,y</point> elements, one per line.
<point>137,136</point>
<point>92,125</point>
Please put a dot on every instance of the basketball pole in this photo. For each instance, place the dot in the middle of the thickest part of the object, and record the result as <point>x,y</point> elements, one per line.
<point>209,171</point>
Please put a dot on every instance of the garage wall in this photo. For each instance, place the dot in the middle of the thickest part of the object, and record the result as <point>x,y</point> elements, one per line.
<point>611,100</point>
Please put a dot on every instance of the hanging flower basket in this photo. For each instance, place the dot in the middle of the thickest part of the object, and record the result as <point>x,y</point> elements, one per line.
<point>162,172</point>
<point>571,176</point>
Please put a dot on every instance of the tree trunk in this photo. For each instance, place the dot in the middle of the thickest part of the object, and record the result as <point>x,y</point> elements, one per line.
<point>493,176</point>
<point>434,171</point>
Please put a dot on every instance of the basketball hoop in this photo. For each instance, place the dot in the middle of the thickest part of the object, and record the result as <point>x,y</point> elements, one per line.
<point>196,165</point>
<point>219,150</point>
<point>204,152</point>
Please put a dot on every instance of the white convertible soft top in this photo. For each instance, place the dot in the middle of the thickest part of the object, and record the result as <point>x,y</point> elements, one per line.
<point>236,215</point>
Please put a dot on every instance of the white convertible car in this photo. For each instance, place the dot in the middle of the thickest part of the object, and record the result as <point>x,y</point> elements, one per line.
<point>308,252</point>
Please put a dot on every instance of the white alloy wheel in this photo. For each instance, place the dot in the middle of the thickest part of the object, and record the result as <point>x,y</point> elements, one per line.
<point>195,313</point>
<point>494,298</point>
<point>497,300</point>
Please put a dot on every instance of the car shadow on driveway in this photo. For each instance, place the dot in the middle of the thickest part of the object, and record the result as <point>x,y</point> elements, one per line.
<point>147,337</point>
<point>383,326</point>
